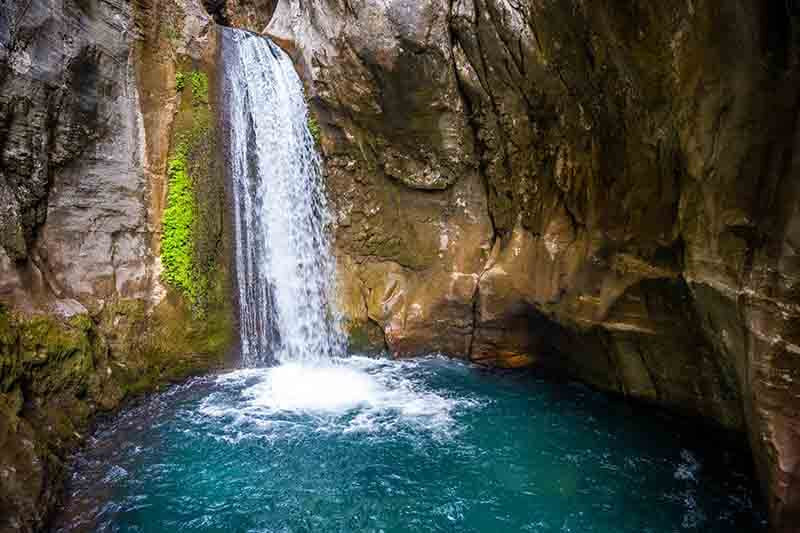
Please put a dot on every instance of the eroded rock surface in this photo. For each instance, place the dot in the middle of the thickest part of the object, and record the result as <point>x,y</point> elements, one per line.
<point>606,190</point>
<point>88,105</point>
<point>252,14</point>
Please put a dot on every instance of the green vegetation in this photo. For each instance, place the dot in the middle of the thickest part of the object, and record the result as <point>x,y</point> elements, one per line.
<point>180,81</point>
<point>311,121</point>
<point>192,225</point>
<point>176,241</point>
<point>199,82</point>
<point>313,127</point>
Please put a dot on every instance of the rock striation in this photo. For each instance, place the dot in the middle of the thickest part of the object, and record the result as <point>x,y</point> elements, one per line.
<point>604,190</point>
<point>89,117</point>
<point>607,191</point>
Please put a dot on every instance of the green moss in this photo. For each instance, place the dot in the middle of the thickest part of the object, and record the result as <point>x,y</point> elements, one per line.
<point>199,83</point>
<point>55,358</point>
<point>180,81</point>
<point>313,127</point>
<point>175,344</point>
<point>55,374</point>
<point>176,240</point>
<point>50,339</point>
<point>82,323</point>
<point>192,222</point>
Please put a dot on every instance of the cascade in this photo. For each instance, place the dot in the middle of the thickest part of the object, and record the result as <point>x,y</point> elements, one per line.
<point>284,267</point>
<point>326,443</point>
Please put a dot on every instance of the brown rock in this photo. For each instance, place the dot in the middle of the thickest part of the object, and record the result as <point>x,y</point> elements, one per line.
<point>87,105</point>
<point>638,165</point>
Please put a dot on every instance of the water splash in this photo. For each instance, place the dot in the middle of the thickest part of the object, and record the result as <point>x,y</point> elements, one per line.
<point>284,268</point>
<point>358,394</point>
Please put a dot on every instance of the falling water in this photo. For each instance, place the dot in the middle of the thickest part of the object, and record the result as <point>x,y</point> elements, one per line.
<point>326,443</point>
<point>284,268</point>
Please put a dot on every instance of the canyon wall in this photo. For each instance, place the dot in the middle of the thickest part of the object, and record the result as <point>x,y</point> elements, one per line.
<point>101,104</point>
<point>607,190</point>
<point>603,189</point>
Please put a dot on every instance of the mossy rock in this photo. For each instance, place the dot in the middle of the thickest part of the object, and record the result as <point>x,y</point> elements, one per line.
<point>193,244</point>
<point>365,337</point>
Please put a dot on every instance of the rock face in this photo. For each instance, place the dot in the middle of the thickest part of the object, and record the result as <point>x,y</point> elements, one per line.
<point>606,190</point>
<point>253,14</point>
<point>610,191</point>
<point>89,115</point>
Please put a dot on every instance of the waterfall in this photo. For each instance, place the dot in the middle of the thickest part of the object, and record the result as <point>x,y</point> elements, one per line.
<point>284,267</point>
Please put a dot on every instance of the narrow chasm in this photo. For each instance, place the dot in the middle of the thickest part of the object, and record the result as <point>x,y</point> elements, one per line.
<point>392,265</point>
<point>373,443</point>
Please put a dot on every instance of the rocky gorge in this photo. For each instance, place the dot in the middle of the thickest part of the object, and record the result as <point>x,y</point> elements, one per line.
<point>606,190</point>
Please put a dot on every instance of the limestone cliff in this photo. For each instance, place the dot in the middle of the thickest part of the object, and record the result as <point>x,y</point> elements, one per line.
<point>93,108</point>
<point>607,189</point>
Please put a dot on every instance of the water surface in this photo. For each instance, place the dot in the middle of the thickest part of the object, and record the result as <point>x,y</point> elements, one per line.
<point>378,445</point>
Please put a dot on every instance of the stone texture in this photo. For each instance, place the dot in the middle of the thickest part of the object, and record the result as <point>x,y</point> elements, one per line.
<point>413,132</point>
<point>73,157</point>
<point>604,189</point>
<point>253,14</point>
<point>87,108</point>
<point>622,181</point>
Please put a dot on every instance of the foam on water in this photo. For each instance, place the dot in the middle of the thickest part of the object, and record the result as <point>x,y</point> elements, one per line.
<point>381,445</point>
<point>344,395</point>
<point>325,388</point>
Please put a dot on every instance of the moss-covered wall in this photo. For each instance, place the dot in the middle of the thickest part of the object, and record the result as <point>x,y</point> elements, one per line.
<point>147,301</point>
<point>192,242</point>
<point>57,373</point>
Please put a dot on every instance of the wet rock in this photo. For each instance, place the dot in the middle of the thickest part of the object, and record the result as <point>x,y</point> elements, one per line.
<point>632,168</point>
<point>368,83</point>
<point>88,105</point>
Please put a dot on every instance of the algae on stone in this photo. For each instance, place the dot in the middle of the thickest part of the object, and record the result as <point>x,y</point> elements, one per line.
<point>192,221</point>
<point>176,241</point>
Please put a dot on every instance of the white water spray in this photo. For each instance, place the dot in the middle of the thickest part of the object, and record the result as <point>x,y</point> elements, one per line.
<point>284,267</point>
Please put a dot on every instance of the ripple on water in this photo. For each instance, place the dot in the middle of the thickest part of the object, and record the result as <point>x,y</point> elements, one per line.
<point>364,444</point>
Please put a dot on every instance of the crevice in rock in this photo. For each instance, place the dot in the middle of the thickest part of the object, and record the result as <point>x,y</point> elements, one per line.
<point>478,147</point>
<point>217,10</point>
<point>373,321</point>
<point>611,359</point>
<point>475,310</point>
<point>650,374</point>
<point>46,275</point>
<point>518,62</point>
<point>480,150</point>
<point>366,294</point>
<point>483,78</point>
<point>350,10</point>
